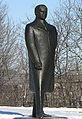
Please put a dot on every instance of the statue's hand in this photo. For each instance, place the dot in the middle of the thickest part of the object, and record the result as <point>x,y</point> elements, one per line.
<point>38,66</point>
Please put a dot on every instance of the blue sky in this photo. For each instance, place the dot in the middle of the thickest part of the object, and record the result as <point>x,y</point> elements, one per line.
<point>19,9</point>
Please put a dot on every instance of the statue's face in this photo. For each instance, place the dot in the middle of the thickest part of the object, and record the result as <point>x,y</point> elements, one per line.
<point>42,12</point>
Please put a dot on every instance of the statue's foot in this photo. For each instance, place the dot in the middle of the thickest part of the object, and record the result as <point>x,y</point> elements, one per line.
<point>46,115</point>
<point>39,117</point>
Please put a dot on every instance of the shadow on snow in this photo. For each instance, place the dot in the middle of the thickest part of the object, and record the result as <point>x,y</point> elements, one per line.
<point>10,113</point>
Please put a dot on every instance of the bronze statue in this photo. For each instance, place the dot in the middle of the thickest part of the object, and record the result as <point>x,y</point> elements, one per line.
<point>41,42</point>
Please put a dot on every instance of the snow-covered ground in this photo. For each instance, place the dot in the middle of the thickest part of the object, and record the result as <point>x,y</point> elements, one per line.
<point>13,112</point>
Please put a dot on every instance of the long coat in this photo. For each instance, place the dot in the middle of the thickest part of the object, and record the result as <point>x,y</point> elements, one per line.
<point>41,43</point>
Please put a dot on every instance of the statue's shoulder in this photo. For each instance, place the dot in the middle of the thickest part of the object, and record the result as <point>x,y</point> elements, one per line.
<point>30,25</point>
<point>52,27</point>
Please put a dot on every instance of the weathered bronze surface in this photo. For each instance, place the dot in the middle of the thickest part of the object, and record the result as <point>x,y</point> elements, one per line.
<point>41,42</point>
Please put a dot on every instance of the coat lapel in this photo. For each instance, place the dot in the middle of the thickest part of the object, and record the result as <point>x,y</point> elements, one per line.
<point>41,26</point>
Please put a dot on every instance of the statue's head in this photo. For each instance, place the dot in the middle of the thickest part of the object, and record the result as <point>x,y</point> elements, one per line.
<point>41,12</point>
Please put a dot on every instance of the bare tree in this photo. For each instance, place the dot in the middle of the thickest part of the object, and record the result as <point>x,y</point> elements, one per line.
<point>9,49</point>
<point>67,19</point>
<point>68,22</point>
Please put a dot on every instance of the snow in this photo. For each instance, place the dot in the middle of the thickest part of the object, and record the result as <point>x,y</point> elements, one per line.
<point>13,112</point>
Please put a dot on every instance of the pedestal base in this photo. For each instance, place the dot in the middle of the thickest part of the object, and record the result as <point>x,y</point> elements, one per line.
<point>59,117</point>
<point>43,118</point>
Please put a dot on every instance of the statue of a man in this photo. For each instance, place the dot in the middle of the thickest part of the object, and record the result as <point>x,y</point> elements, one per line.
<point>41,42</point>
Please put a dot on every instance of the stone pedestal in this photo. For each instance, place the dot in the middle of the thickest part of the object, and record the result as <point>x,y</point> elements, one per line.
<point>43,118</point>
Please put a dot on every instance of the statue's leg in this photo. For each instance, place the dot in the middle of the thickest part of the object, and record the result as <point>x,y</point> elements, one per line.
<point>41,105</point>
<point>44,115</point>
<point>38,105</point>
<point>42,101</point>
<point>34,106</point>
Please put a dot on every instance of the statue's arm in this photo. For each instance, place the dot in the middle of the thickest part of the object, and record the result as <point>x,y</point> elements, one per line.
<point>32,51</point>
